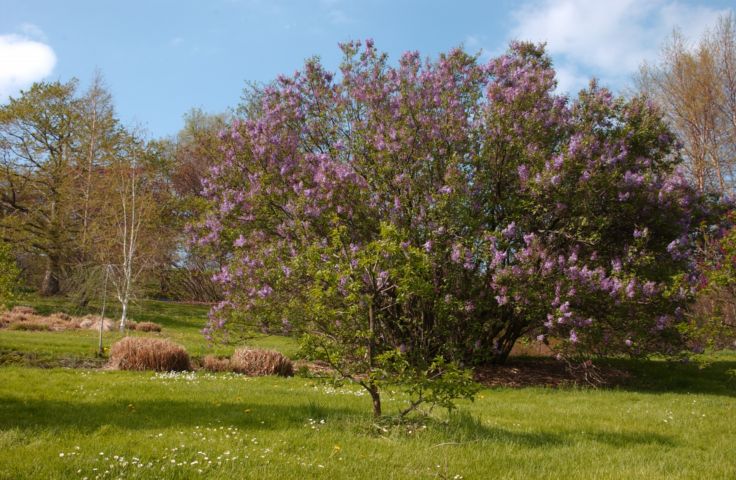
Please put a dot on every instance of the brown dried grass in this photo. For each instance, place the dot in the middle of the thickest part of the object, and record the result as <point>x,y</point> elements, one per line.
<point>23,310</point>
<point>60,316</point>
<point>214,363</point>
<point>143,353</point>
<point>92,322</point>
<point>259,362</point>
<point>147,327</point>
<point>25,318</point>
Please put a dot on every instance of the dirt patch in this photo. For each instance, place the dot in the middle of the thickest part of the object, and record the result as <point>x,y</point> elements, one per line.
<point>547,372</point>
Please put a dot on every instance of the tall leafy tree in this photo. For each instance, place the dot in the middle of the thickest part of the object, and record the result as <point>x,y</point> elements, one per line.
<point>39,145</point>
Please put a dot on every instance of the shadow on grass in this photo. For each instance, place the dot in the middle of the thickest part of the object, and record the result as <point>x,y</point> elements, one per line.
<point>14,358</point>
<point>712,373</point>
<point>152,414</point>
<point>463,428</point>
<point>715,377</point>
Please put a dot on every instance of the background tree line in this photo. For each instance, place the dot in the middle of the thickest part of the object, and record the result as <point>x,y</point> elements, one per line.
<point>83,196</point>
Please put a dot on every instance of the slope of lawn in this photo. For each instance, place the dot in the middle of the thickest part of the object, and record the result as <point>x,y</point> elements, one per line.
<point>668,421</point>
<point>180,322</point>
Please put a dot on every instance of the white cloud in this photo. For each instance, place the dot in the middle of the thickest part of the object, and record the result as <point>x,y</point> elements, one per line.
<point>22,62</point>
<point>33,31</point>
<point>607,39</point>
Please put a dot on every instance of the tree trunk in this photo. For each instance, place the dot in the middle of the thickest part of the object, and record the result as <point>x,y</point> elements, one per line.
<point>123,315</point>
<point>376,397</point>
<point>50,285</point>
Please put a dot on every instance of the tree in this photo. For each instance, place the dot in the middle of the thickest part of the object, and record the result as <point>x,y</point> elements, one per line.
<point>102,139</point>
<point>415,219</point>
<point>38,145</point>
<point>696,87</point>
<point>187,273</point>
<point>126,229</point>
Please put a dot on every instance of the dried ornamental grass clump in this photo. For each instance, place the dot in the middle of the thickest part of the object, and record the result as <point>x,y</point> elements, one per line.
<point>142,353</point>
<point>23,310</point>
<point>17,314</point>
<point>213,363</point>
<point>258,362</point>
<point>147,327</point>
<point>26,318</point>
<point>61,316</point>
<point>92,322</point>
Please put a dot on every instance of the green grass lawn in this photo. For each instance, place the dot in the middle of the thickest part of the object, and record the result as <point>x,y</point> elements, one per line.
<point>65,423</point>
<point>671,420</point>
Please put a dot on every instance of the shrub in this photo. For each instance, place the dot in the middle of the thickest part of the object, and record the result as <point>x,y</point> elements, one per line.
<point>443,209</point>
<point>142,353</point>
<point>214,363</point>
<point>258,362</point>
<point>147,327</point>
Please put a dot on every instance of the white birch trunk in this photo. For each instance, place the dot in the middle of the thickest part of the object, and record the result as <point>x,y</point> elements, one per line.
<point>130,225</point>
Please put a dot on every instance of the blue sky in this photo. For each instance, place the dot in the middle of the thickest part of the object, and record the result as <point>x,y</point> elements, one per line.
<point>160,58</point>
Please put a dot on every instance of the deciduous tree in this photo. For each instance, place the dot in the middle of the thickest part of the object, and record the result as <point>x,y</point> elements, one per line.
<point>696,88</point>
<point>38,148</point>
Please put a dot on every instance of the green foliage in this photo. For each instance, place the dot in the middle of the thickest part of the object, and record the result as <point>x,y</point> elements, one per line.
<point>723,273</point>
<point>440,384</point>
<point>9,273</point>
<point>713,317</point>
<point>353,328</point>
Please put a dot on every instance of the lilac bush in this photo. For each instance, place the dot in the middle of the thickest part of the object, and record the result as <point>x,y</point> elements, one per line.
<point>434,212</point>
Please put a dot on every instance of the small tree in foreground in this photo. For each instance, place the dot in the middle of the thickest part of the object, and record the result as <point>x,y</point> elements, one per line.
<point>415,219</point>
